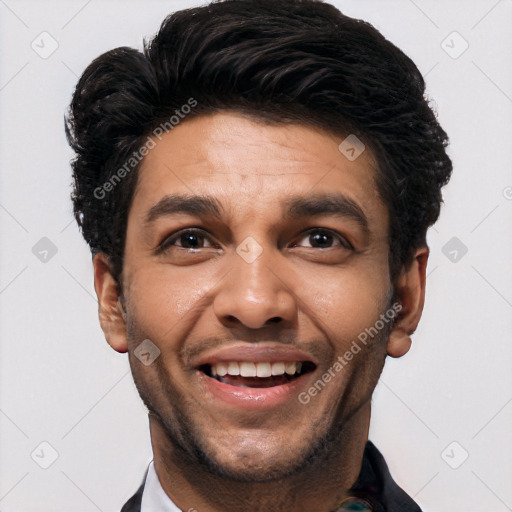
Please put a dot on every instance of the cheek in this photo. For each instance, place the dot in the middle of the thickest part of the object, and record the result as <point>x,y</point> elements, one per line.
<point>163,299</point>
<point>347,303</point>
<point>167,300</point>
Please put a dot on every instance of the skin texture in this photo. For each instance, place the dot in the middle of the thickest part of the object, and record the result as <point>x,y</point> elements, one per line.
<point>315,297</point>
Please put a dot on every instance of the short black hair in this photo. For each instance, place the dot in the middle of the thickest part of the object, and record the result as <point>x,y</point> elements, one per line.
<point>299,61</point>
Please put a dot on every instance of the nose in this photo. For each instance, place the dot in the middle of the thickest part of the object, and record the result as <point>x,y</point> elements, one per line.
<point>256,294</point>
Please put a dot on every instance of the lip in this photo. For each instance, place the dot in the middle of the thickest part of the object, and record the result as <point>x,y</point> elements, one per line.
<point>253,398</point>
<point>257,353</point>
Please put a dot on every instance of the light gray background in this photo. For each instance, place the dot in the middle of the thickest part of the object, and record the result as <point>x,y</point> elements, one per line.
<point>62,384</point>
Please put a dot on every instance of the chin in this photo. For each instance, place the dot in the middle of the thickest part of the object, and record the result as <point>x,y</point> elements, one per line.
<point>259,457</point>
<point>253,466</point>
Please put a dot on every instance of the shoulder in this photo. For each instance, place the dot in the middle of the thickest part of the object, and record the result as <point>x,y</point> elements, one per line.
<point>376,480</point>
<point>134,503</point>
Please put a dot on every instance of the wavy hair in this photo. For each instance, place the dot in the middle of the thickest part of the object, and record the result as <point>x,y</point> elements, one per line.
<point>299,61</point>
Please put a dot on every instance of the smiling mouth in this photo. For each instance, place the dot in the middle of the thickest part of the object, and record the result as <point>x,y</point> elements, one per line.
<point>257,375</point>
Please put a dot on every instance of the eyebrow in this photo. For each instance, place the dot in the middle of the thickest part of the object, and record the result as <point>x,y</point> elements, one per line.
<point>201,206</point>
<point>337,205</point>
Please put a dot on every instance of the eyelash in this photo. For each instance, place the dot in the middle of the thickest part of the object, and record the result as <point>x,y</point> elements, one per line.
<point>169,241</point>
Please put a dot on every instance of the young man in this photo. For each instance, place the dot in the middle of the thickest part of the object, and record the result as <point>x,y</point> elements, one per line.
<point>256,189</point>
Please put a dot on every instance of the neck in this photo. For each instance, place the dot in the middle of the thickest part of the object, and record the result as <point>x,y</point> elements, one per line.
<point>320,486</point>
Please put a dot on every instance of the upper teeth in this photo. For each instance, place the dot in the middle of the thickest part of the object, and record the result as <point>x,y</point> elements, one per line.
<point>246,369</point>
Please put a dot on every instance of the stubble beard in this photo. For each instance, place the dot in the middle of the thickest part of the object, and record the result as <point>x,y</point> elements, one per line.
<point>189,446</point>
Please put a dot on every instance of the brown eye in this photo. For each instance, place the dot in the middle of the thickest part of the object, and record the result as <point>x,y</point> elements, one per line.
<point>190,240</point>
<point>321,240</point>
<point>187,239</point>
<point>325,239</point>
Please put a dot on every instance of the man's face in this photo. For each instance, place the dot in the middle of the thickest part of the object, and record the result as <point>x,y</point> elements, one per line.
<point>260,275</point>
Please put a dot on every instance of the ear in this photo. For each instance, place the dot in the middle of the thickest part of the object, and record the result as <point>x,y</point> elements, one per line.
<point>110,309</point>
<point>410,292</point>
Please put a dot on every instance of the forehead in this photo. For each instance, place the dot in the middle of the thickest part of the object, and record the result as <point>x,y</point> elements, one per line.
<point>253,168</point>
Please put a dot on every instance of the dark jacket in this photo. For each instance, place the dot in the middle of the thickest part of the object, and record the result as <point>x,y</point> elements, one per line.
<point>374,485</point>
